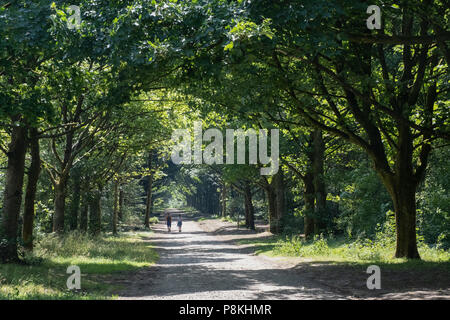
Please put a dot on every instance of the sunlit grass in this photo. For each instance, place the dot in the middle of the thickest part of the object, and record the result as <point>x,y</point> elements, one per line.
<point>342,250</point>
<point>44,276</point>
<point>232,220</point>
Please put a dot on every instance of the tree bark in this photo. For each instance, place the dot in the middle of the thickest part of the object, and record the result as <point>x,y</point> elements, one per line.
<point>224,200</point>
<point>85,201</point>
<point>403,195</point>
<point>278,185</point>
<point>61,176</point>
<point>405,218</point>
<point>84,215</point>
<point>60,205</point>
<point>75,206</point>
<point>116,206</point>
<point>95,211</point>
<point>250,211</point>
<point>13,194</point>
<point>308,195</point>
<point>275,198</point>
<point>246,210</point>
<point>273,223</point>
<point>148,202</point>
<point>148,205</point>
<point>30,196</point>
<point>121,202</point>
<point>320,208</point>
<point>402,186</point>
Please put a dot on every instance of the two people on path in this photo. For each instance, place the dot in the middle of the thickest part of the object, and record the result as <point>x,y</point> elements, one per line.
<point>169,222</point>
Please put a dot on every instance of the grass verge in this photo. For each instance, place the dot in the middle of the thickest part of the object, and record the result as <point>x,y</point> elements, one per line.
<point>343,251</point>
<point>44,274</point>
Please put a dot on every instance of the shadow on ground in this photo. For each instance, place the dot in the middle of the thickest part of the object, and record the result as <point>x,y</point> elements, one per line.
<point>195,271</point>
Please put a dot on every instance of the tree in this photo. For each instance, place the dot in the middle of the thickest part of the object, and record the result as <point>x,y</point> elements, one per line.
<point>385,98</point>
<point>25,47</point>
<point>30,196</point>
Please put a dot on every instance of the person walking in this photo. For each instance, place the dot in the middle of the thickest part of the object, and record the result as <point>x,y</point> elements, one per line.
<point>169,221</point>
<point>179,223</point>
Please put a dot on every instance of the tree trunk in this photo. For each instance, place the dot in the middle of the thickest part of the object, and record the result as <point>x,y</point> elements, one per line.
<point>273,223</point>
<point>30,196</point>
<point>224,200</point>
<point>60,205</point>
<point>246,211</point>
<point>85,201</point>
<point>148,204</point>
<point>121,198</point>
<point>75,206</point>
<point>308,196</point>
<point>84,215</point>
<point>95,211</point>
<point>275,198</point>
<point>116,206</point>
<point>404,197</point>
<point>60,181</point>
<point>403,194</point>
<point>278,185</point>
<point>320,209</point>
<point>402,186</point>
<point>13,194</point>
<point>250,211</point>
<point>405,218</point>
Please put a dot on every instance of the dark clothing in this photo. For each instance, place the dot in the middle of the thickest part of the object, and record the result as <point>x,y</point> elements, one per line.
<point>169,221</point>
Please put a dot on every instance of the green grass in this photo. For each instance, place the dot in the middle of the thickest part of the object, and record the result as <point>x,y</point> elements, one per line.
<point>153,220</point>
<point>340,250</point>
<point>211,217</point>
<point>227,219</point>
<point>189,211</point>
<point>232,220</point>
<point>44,274</point>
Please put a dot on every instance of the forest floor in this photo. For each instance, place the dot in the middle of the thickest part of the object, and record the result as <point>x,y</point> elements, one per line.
<point>205,261</point>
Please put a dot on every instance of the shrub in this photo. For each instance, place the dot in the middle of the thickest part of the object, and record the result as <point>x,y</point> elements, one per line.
<point>154,220</point>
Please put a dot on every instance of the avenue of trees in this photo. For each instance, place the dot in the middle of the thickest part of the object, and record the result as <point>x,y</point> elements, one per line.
<point>87,114</point>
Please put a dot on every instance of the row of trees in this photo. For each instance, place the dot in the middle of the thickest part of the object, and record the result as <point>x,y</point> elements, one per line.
<point>93,104</point>
<point>72,116</point>
<point>315,65</point>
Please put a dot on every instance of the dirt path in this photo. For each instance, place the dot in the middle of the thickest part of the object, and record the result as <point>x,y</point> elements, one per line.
<point>204,263</point>
<point>196,264</point>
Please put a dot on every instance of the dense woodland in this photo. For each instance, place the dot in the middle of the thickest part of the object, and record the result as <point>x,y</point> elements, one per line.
<point>87,115</point>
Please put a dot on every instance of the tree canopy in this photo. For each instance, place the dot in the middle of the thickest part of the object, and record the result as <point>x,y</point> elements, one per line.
<point>87,114</point>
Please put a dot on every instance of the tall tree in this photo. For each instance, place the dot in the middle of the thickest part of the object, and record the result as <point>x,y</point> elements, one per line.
<point>30,195</point>
<point>383,92</point>
<point>25,44</point>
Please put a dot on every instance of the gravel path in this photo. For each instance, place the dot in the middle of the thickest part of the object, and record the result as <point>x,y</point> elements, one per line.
<point>195,264</point>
